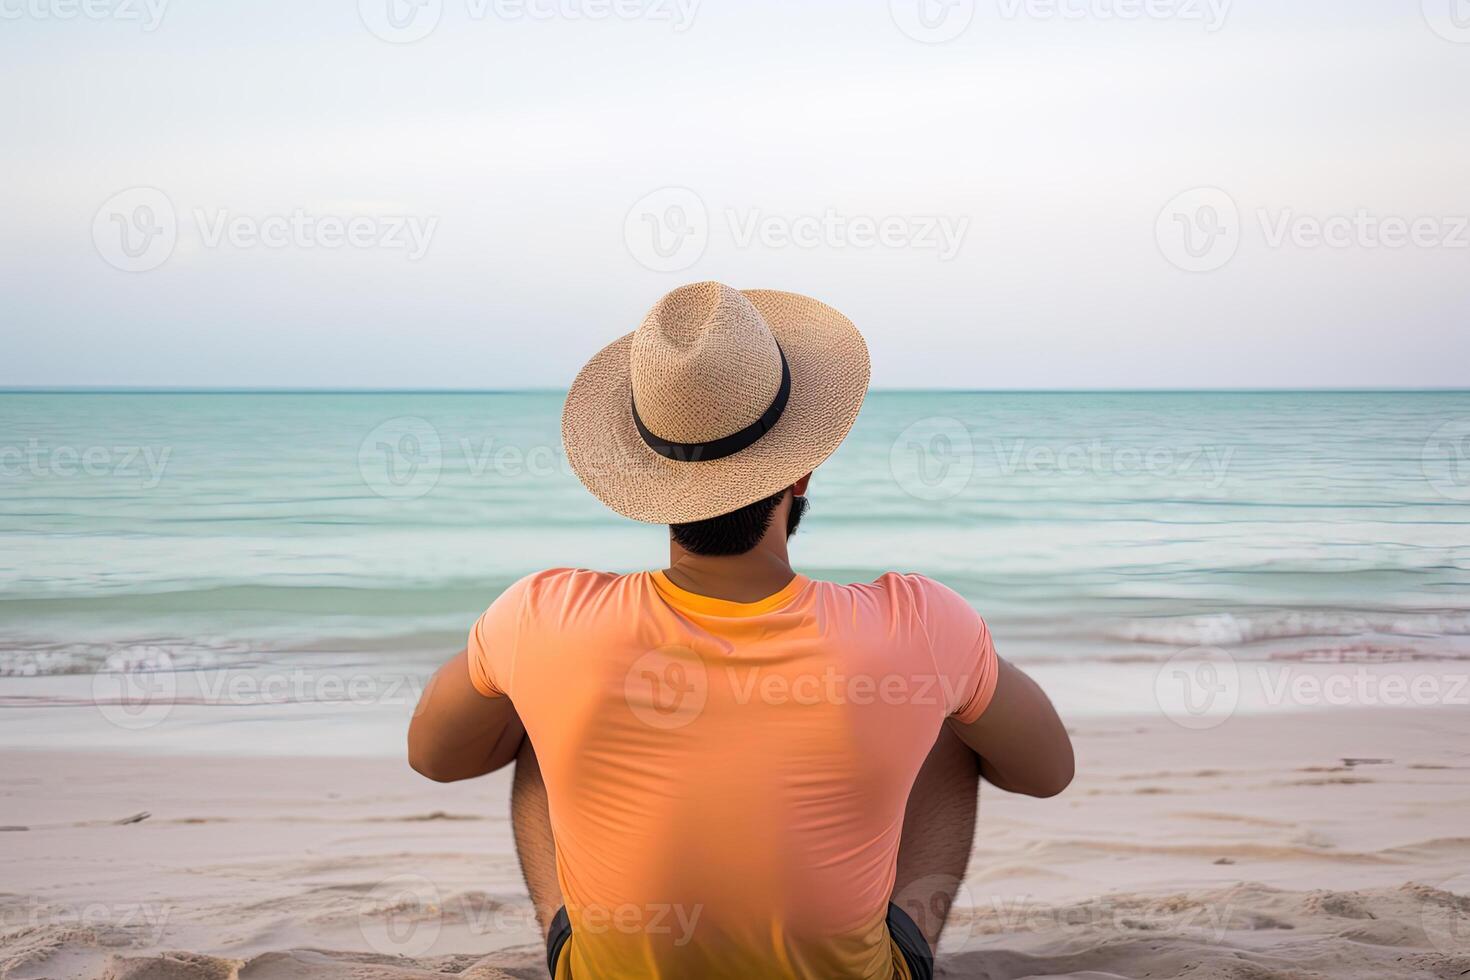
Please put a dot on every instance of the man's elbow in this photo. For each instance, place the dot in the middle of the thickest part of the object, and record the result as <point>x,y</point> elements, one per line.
<point>1056,781</point>
<point>442,768</point>
<point>431,770</point>
<point>1055,787</point>
<point>432,766</point>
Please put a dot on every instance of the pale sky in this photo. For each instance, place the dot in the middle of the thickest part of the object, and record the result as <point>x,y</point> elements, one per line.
<point>999,210</point>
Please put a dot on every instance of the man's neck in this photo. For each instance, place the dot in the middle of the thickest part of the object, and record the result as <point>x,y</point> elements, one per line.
<point>763,571</point>
<point>742,578</point>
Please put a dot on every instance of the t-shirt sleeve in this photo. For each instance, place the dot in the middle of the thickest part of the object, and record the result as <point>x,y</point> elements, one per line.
<point>964,654</point>
<point>493,640</point>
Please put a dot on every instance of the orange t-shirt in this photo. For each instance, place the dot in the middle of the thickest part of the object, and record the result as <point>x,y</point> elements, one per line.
<point>727,780</point>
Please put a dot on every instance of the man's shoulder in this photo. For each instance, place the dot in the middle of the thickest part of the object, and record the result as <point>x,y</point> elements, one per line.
<point>916,596</point>
<point>560,584</point>
<point>905,587</point>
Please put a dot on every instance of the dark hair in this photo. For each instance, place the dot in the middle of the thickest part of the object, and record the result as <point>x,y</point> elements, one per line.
<point>739,531</point>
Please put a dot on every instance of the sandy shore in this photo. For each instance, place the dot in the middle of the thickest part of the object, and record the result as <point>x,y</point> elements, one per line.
<point>1329,844</point>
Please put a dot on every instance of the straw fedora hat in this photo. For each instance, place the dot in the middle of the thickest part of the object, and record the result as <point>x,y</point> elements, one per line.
<point>720,398</point>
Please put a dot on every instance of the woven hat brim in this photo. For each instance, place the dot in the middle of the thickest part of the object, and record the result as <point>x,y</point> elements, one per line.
<point>829,379</point>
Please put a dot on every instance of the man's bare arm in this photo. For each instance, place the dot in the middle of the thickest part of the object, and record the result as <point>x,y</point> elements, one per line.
<point>458,733</point>
<point>1022,744</point>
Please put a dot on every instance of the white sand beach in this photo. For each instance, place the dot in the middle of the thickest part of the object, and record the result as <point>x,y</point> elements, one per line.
<point>1290,846</point>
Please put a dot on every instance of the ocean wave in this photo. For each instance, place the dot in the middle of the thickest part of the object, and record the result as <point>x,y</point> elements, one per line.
<point>127,658</point>
<point>34,657</point>
<point>1343,653</point>
<point>1229,629</point>
<point>378,598</point>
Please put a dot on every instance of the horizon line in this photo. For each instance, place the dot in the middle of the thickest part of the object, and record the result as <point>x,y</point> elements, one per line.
<point>900,390</point>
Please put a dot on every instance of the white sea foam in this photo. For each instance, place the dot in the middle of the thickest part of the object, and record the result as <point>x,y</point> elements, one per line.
<point>126,658</point>
<point>1238,629</point>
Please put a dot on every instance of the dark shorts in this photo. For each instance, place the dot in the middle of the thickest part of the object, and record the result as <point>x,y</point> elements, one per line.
<point>906,936</point>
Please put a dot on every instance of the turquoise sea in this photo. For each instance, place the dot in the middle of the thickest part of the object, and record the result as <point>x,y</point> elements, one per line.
<point>146,533</point>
